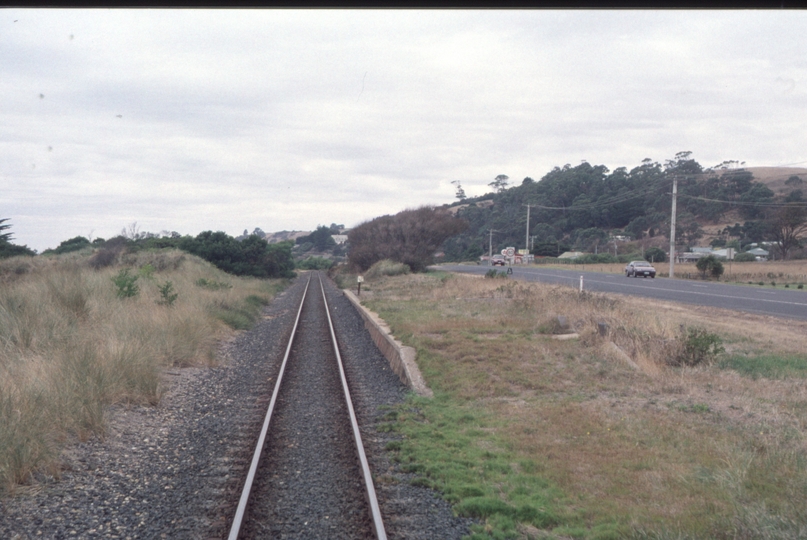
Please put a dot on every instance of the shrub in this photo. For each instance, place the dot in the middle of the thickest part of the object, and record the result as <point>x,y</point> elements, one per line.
<point>126,284</point>
<point>167,294</point>
<point>696,346</point>
<point>745,257</point>
<point>710,265</point>
<point>315,263</point>
<point>655,255</point>
<point>252,256</point>
<point>386,268</point>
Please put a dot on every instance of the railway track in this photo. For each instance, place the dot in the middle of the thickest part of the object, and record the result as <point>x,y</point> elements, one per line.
<point>309,476</point>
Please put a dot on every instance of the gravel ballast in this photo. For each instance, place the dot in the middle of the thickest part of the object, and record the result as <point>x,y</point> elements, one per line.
<point>174,471</point>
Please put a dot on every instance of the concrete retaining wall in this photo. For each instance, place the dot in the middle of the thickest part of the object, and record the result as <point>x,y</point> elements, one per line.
<point>401,358</point>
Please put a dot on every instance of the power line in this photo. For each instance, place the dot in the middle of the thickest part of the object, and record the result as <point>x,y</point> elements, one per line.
<point>794,204</point>
<point>608,202</point>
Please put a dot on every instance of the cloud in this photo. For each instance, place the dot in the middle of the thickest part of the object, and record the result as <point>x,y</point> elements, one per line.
<point>191,120</point>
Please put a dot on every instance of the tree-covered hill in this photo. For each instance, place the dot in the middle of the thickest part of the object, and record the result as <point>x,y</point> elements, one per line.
<point>581,207</point>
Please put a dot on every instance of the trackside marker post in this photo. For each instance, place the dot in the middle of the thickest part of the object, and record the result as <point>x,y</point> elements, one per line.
<point>581,283</point>
<point>359,281</point>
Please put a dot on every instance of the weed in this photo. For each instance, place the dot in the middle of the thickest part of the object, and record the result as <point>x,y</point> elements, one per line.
<point>126,284</point>
<point>212,285</point>
<point>167,294</point>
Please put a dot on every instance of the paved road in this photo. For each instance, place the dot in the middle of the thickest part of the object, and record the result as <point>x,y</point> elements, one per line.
<point>788,303</point>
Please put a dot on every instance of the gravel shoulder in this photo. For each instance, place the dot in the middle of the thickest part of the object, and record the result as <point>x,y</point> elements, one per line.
<point>173,471</point>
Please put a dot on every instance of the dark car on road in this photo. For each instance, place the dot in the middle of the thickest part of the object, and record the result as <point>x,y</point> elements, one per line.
<point>640,268</point>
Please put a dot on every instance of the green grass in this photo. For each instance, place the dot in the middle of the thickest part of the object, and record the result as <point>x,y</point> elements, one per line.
<point>769,366</point>
<point>453,447</point>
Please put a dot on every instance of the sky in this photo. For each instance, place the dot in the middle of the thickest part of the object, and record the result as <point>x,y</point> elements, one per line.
<point>191,120</point>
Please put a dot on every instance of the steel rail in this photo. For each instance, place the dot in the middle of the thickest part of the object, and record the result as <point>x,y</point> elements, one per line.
<point>242,503</point>
<point>375,511</point>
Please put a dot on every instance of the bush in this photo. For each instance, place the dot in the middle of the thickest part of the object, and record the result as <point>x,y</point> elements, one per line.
<point>655,255</point>
<point>709,265</point>
<point>697,346</point>
<point>74,244</point>
<point>744,257</point>
<point>315,263</point>
<point>126,284</point>
<point>252,256</point>
<point>386,268</point>
<point>167,294</point>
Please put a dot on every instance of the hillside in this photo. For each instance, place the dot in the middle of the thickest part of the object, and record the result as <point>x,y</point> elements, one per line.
<point>776,177</point>
<point>583,208</point>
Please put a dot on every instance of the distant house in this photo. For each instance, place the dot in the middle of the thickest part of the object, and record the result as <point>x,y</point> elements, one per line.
<point>693,256</point>
<point>570,255</point>
<point>759,252</point>
<point>339,238</point>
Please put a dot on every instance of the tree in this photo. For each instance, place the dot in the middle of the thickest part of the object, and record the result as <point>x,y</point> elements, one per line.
<point>709,265</point>
<point>253,256</point>
<point>410,237</point>
<point>655,255</point>
<point>320,239</point>
<point>7,249</point>
<point>74,244</point>
<point>5,237</point>
<point>788,224</point>
<point>500,183</point>
<point>460,192</point>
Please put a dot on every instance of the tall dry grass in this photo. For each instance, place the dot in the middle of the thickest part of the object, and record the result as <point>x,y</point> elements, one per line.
<point>69,346</point>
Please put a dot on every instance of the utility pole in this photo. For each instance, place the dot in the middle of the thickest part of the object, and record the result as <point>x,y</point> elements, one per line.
<point>490,248</point>
<point>672,227</point>
<point>527,237</point>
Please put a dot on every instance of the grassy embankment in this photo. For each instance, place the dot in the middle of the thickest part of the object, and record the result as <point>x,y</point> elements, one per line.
<point>70,345</point>
<point>543,438</point>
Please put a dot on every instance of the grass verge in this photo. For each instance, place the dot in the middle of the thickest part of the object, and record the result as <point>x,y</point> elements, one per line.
<point>597,437</point>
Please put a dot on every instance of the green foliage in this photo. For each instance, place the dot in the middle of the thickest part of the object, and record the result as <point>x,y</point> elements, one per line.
<point>7,249</point>
<point>125,283</point>
<point>67,246</point>
<point>320,239</point>
<point>697,346</point>
<point>315,263</point>
<point>710,265</point>
<point>5,236</point>
<point>167,294</point>
<point>655,255</point>
<point>576,201</point>
<point>252,256</point>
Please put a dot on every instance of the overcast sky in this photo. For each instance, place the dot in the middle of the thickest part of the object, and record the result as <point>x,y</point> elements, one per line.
<point>194,120</point>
